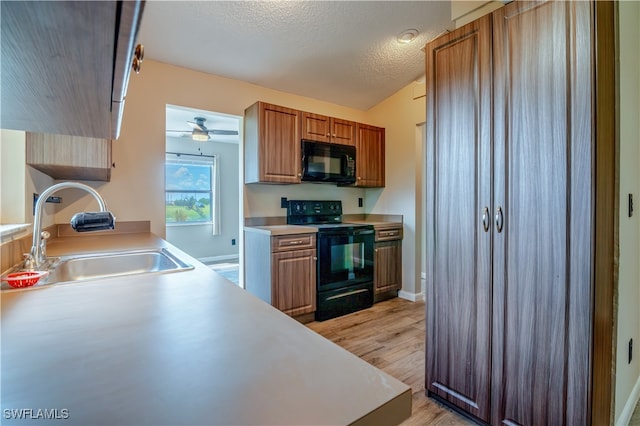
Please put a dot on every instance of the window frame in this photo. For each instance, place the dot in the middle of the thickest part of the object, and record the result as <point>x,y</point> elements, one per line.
<point>173,158</point>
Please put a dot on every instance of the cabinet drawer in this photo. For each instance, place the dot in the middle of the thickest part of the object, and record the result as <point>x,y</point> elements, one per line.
<point>388,234</point>
<point>293,242</point>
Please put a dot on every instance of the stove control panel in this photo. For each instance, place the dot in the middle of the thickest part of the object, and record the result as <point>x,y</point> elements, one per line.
<point>314,211</point>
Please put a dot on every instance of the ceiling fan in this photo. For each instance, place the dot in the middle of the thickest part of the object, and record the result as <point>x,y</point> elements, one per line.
<point>200,132</point>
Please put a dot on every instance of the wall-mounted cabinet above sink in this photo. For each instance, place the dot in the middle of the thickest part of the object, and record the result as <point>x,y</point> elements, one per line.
<point>69,157</point>
<point>66,65</point>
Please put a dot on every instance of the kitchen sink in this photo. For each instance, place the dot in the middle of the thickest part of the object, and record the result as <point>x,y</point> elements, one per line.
<point>115,264</point>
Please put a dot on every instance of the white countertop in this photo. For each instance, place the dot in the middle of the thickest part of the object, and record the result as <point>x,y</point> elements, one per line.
<point>178,348</point>
<point>282,229</point>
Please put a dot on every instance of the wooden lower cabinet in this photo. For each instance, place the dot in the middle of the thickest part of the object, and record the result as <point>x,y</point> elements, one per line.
<point>387,265</point>
<point>281,270</point>
<point>293,281</point>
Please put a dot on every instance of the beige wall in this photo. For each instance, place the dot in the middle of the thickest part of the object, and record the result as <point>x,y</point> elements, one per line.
<point>135,191</point>
<point>400,114</point>
<point>137,183</point>
<point>12,177</point>
<point>18,182</point>
<point>627,375</point>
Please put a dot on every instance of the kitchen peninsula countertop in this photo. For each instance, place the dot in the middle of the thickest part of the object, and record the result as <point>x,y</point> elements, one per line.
<point>176,348</point>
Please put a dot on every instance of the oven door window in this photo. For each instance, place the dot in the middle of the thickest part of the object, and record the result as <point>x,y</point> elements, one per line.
<point>344,259</point>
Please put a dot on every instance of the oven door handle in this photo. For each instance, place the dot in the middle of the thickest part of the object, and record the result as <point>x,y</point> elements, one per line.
<point>349,293</point>
<point>362,232</point>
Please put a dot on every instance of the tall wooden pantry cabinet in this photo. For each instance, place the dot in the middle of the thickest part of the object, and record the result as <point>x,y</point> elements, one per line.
<point>511,214</point>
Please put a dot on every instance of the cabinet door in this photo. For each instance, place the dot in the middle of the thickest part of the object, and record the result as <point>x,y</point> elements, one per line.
<point>294,281</point>
<point>272,144</point>
<point>458,172</point>
<point>387,266</point>
<point>328,129</point>
<point>543,180</point>
<point>316,127</point>
<point>369,156</point>
<point>343,131</point>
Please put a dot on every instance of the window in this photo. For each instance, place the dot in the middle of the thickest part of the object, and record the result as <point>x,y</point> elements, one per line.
<point>190,196</point>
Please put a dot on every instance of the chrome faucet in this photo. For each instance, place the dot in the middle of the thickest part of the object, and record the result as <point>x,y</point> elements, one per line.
<point>36,259</point>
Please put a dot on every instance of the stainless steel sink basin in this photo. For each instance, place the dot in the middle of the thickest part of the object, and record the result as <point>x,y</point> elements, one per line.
<point>105,265</point>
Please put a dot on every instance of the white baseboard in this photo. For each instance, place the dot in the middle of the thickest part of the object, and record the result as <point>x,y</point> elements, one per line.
<point>414,297</point>
<point>214,259</point>
<point>632,401</point>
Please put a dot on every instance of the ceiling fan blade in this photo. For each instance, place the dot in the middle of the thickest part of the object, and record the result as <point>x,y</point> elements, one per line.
<point>196,126</point>
<point>221,132</point>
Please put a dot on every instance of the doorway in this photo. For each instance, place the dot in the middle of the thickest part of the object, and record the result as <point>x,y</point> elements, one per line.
<point>202,180</point>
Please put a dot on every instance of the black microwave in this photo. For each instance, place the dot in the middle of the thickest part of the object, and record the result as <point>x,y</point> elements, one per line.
<point>328,162</point>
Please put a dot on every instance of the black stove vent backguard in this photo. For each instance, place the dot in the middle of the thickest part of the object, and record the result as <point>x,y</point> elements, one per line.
<point>309,212</point>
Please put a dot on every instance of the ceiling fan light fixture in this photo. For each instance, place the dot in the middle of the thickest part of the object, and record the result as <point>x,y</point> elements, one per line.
<point>199,135</point>
<point>407,36</point>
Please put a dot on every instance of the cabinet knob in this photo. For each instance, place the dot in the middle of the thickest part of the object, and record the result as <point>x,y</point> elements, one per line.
<point>299,174</point>
<point>315,258</point>
<point>139,53</point>
<point>328,135</point>
<point>136,65</point>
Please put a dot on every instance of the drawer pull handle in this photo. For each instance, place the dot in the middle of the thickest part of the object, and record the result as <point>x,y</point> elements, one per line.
<point>389,233</point>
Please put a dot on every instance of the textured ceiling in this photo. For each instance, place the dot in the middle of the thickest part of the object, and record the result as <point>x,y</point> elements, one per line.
<point>343,52</point>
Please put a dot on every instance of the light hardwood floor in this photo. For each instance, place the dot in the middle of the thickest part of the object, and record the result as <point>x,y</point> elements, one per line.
<point>391,336</point>
<point>635,418</point>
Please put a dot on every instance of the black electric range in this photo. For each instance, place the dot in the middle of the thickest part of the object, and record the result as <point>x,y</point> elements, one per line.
<point>345,257</point>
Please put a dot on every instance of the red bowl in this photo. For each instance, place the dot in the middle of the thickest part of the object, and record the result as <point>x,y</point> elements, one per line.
<point>25,279</point>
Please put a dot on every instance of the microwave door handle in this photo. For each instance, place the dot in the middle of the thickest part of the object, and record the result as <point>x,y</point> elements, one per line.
<point>302,166</point>
<point>344,164</point>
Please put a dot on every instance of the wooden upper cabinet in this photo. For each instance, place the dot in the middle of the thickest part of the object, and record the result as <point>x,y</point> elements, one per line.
<point>328,129</point>
<point>370,156</point>
<point>272,144</point>
<point>69,76</point>
<point>69,157</point>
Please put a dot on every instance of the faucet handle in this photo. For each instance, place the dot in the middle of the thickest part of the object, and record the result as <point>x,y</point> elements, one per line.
<point>44,235</point>
<point>29,262</point>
